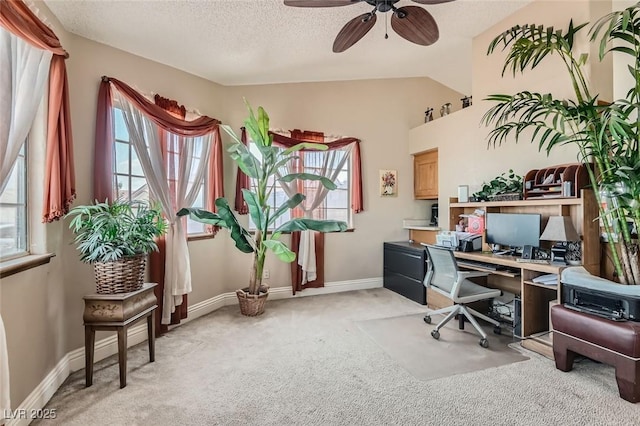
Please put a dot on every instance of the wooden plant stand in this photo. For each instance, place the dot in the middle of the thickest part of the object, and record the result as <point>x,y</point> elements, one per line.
<point>117,312</point>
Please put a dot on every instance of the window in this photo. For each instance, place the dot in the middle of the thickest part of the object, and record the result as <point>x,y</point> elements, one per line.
<point>13,211</point>
<point>130,183</point>
<point>335,206</point>
<point>129,180</point>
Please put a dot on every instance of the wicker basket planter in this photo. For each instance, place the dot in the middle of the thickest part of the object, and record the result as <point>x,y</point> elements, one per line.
<point>252,305</point>
<point>510,196</point>
<point>121,276</point>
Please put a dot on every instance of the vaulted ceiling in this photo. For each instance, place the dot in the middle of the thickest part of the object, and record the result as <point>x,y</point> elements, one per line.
<point>239,42</point>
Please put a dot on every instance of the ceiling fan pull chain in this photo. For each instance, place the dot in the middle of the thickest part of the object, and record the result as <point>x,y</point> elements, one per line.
<point>386,21</point>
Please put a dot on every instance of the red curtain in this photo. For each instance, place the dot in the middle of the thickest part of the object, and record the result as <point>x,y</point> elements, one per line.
<point>357,204</point>
<point>103,150</point>
<point>165,120</point>
<point>170,117</point>
<point>215,188</point>
<point>242,182</point>
<point>299,136</point>
<point>59,184</point>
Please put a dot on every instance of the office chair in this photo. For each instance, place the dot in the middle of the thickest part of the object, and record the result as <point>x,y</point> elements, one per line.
<point>444,278</point>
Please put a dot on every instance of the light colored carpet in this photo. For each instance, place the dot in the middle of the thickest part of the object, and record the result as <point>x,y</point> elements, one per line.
<point>407,340</point>
<point>306,362</point>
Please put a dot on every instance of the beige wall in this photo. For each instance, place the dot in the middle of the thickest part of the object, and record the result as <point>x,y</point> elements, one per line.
<point>48,299</point>
<point>464,155</point>
<point>42,307</point>
<point>379,112</point>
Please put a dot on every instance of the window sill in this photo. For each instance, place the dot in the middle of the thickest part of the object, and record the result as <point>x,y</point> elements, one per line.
<point>197,237</point>
<point>20,264</point>
<point>253,231</point>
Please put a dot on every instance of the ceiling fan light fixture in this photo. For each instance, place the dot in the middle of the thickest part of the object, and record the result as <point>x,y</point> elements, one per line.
<point>412,23</point>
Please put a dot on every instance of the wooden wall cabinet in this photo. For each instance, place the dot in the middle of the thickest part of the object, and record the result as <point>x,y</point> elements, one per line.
<point>425,175</point>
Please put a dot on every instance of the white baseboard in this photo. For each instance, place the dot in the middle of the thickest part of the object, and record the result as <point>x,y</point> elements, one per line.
<point>207,306</point>
<point>333,287</point>
<point>41,394</point>
<point>74,360</point>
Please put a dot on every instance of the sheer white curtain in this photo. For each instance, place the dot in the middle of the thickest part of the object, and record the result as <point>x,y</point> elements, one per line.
<point>324,163</point>
<point>24,70</point>
<point>174,187</point>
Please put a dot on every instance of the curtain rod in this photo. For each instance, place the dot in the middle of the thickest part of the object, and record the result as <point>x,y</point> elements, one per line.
<point>281,131</point>
<point>195,111</point>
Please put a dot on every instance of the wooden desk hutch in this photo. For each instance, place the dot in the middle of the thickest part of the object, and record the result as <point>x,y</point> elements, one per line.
<point>535,298</point>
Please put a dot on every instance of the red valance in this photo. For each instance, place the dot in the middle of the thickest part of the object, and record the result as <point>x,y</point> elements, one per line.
<point>357,203</point>
<point>199,127</point>
<point>103,152</point>
<point>170,105</point>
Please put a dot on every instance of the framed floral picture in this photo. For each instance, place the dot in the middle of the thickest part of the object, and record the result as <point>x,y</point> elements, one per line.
<point>388,183</point>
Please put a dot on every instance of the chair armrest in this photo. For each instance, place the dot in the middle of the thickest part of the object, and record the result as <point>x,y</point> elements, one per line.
<point>473,274</point>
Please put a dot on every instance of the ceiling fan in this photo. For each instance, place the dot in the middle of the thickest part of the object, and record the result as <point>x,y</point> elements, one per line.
<point>412,23</point>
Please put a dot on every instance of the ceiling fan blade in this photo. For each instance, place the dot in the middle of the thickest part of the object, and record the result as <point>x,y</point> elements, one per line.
<point>319,3</point>
<point>353,31</point>
<point>432,1</point>
<point>415,24</point>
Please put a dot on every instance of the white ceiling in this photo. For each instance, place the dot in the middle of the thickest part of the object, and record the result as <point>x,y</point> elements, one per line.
<point>239,42</point>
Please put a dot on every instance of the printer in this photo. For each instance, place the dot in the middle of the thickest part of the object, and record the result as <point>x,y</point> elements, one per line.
<point>587,293</point>
<point>470,243</point>
<point>462,241</point>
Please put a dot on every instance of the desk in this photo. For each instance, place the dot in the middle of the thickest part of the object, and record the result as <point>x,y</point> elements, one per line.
<point>534,297</point>
<point>117,312</point>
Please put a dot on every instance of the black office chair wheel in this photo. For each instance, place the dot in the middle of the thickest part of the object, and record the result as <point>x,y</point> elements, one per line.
<point>484,343</point>
<point>435,334</point>
<point>427,319</point>
<point>497,330</point>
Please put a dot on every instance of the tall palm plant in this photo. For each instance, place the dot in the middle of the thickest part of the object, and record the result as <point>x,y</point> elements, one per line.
<point>606,133</point>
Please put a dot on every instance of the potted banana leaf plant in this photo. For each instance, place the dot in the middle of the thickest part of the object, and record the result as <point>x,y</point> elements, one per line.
<point>606,133</point>
<point>262,169</point>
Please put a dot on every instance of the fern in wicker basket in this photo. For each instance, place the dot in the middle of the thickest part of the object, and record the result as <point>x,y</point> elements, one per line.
<point>115,238</point>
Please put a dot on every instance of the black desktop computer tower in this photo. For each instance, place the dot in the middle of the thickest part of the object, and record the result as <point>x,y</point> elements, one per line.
<point>517,317</point>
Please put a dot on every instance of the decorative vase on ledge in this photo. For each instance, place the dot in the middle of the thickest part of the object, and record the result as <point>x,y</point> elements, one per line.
<point>445,109</point>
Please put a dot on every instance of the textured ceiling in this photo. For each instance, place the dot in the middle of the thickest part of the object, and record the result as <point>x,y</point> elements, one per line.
<point>238,42</point>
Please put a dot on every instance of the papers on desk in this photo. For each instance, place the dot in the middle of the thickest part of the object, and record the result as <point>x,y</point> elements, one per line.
<point>547,279</point>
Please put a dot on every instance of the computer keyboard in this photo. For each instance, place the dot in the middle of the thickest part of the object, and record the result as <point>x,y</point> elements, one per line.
<point>520,260</point>
<point>474,264</point>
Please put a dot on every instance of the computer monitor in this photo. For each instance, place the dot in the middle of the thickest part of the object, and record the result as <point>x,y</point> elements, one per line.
<point>514,230</point>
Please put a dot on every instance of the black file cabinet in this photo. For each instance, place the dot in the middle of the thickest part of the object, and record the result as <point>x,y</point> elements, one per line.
<point>404,270</point>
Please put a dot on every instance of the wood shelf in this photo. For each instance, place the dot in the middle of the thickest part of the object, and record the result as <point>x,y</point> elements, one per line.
<point>553,287</point>
<point>536,185</point>
<point>521,203</point>
<point>491,271</point>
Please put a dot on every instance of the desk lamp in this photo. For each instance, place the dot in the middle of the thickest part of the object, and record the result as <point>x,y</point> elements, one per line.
<point>560,230</point>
